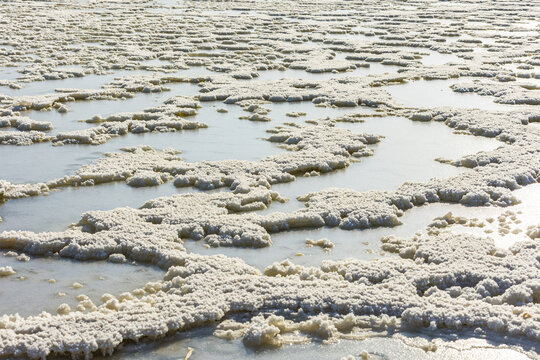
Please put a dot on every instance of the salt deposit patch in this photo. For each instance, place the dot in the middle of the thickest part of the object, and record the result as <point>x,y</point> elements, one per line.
<point>46,278</point>
<point>373,68</point>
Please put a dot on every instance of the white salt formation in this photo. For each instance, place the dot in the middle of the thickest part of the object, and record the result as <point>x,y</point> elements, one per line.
<point>533,231</point>
<point>63,309</point>
<point>323,243</point>
<point>252,58</point>
<point>6,271</point>
<point>439,288</point>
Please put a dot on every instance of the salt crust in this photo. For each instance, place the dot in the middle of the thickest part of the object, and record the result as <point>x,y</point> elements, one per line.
<point>429,286</point>
<point>488,279</point>
<point>323,243</point>
<point>533,231</point>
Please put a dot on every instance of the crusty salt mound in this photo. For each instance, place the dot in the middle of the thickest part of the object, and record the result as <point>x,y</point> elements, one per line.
<point>6,271</point>
<point>533,231</point>
<point>433,282</point>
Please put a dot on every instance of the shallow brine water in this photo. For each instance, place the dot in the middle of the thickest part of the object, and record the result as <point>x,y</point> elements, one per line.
<point>374,68</point>
<point>227,137</point>
<point>406,154</point>
<point>59,209</point>
<point>437,93</point>
<point>42,283</point>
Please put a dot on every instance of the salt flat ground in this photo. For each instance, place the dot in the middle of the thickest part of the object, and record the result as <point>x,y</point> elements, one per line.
<point>269,180</point>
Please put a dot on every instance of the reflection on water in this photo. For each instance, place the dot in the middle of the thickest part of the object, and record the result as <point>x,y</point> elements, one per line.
<point>525,214</point>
